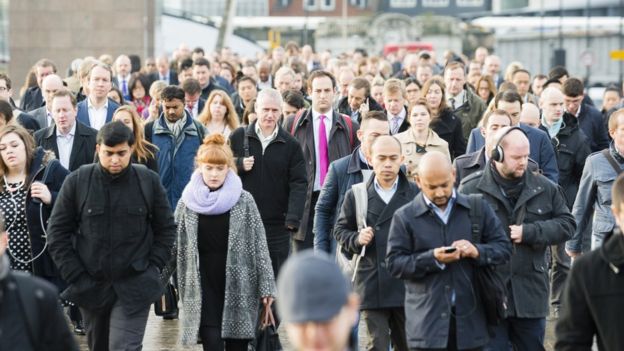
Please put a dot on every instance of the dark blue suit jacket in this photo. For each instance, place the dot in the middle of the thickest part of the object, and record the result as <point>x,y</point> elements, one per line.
<point>541,151</point>
<point>591,123</point>
<point>83,112</point>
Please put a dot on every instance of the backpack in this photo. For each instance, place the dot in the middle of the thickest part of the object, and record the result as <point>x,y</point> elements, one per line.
<point>347,261</point>
<point>345,118</point>
<point>487,284</point>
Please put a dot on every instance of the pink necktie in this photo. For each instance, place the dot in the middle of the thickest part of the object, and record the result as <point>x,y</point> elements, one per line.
<point>322,149</point>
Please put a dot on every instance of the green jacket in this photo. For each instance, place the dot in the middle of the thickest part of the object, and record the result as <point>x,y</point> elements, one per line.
<point>470,112</point>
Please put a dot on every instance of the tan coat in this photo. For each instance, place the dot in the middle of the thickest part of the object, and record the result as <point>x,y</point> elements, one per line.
<point>408,145</point>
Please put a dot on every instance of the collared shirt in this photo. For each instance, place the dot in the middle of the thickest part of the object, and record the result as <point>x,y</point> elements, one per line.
<point>64,143</point>
<point>386,194</point>
<point>97,116</point>
<point>49,119</point>
<point>443,215</point>
<point>265,141</point>
<point>165,77</point>
<point>458,100</point>
<point>367,173</point>
<point>194,111</point>
<point>401,117</point>
<point>316,122</point>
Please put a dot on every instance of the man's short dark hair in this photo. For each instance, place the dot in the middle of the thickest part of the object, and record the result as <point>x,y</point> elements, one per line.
<point>246,79</point>
<point>191,86</point>
<point>319,74</point>
<point>509,96</point>
<point>6,110</point>
<point>199,50</point>
<point>201,61</point>
<point>7,80</point>
<point>361,83</point>
<point>172,92</point>
<point>611,87</point>
<point>550,81</point>
<point>185,64</point>
<point>573,87</point>
<point>557,72</point>
<point>294,98</point>
<point>115,133</point>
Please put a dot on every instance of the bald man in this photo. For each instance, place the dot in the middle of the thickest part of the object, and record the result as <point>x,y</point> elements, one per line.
<point>530,115</point>
<point>535,215</point>
<point>50,85</point>
<point>123,68</point>
<point>571,149</point>
<point>382,296</point>
<point>429,247</point>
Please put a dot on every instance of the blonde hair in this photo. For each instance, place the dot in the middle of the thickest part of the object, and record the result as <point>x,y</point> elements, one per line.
<point>143,149</point>
<point>231,118</point>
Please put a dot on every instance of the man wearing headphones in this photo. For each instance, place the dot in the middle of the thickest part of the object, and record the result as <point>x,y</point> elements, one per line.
<point>533,210</point>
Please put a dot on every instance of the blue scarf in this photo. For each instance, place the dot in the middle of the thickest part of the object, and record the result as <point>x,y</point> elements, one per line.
<point>200,199</point>
<point>555,128</point>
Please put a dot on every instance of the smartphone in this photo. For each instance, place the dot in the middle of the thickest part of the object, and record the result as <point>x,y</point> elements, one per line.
<point>450,249</point>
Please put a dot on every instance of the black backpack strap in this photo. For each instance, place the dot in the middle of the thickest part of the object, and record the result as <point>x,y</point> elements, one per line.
<point>616,167</point>
<point>143,175</point>
<point>29,306</point>
<point>200,131</point>
<point>476,214</point>
<point>84,184</point>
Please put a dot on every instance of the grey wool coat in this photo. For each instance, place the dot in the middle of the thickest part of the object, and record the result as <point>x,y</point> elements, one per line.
<point>248,272</point>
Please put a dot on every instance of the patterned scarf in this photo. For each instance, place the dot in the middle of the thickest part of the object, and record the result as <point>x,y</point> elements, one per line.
<point>200,199</point>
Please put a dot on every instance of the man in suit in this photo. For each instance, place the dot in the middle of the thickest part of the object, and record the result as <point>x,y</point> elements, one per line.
<point>464,103</point>
<point>358,100</point>
<point>163,72</point>
<point>24,119</point>
<point>319,149</point>
<point>541,147</point>
<point>491,67</point>
<point>394,102</point>
<point>193,102</point>
<point>522,80</point>
<point>73,143</point>
<point>97,109</point>
<point>50,85</point>
<point>122,78</point>
<point>33,97</point>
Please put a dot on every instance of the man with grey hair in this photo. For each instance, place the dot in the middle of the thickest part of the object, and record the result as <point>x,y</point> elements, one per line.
<point>284,78</point>
<point>122,75</point>
<point>491,67</point>
<point>271,166</point>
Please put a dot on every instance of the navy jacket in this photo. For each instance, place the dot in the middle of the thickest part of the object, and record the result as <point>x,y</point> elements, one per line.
<point>414,233</point>
<point>83,111</point>
<point>591,123</point>
<point>541,151</point>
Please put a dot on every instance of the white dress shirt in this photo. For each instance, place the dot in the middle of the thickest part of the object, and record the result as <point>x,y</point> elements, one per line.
<point>265,141</point>
<point>458,100</point>
<point>317,158</point>
<point>49,119</point>
<point>402,115</point>
<point>386,194</point>
<point>97,116</point>
<point>64,143</point>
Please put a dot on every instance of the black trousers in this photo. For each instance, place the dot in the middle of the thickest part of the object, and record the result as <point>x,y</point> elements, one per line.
<point>308,242</point>
<point>211,340</point>
<point>452,338</point>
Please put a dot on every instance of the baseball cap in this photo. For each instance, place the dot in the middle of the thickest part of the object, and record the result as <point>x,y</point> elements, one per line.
<point>311,288</point>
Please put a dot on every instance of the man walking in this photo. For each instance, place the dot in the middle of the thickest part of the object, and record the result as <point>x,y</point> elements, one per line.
<point>430,248</point>
<point>110,234</point>
<point>382,296</point>
<point>534,213</point>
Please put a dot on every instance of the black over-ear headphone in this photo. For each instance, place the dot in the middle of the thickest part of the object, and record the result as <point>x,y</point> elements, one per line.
<point>498,154</point>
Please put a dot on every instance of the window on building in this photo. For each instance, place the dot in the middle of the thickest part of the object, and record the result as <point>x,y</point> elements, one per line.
<point>435,3</point>
<point>310,5</point>
<point>358,3</point>
<point>283,3</point>
<point>328,5</point>
<point>402,3</point>
<point>469,3</point>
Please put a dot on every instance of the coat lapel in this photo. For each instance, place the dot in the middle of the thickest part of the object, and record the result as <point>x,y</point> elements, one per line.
<point>400,198</point>
<point>77,146</point>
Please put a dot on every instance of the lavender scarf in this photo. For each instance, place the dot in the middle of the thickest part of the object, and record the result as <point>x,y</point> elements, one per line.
<point>200,199</point>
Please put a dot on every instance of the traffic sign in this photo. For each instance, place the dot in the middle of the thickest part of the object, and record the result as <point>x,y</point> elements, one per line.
<point>617,55</point>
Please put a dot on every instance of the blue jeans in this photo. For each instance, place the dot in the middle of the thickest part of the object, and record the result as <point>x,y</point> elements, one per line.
<point>524,334</point>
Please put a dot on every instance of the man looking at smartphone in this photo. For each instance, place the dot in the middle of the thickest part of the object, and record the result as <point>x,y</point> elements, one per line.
<point>430,249</point>
<point>432,252</point>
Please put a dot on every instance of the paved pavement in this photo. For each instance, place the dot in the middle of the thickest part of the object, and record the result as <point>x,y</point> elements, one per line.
<point>162,335</point>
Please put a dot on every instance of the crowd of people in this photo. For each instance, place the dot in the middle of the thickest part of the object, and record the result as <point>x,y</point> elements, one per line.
<point>216,175</point>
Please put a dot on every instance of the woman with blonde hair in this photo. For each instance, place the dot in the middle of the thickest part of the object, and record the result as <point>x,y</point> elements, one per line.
<point>153,111</point>
<point>144,151</point>
<point>223,263</point>
<point>219,114</point>
<point>419,138</point>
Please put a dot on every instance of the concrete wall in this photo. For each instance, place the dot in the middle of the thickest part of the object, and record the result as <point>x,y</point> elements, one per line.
<point>62,30</point>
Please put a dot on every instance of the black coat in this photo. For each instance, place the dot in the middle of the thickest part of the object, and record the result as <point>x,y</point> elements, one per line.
<point>343,107</point>
<point>38,213</point>
<point>547,222</point>
<point>593,300</point>
<point>473,162</point>
<point>414,233</point>
<point>340,144</point>
<point>32,99</point>
<point>83,147</point>
<point>112,246</point>
<point>28,122</point>
<point>572,149</point>
<point>373,283</point>
<point>205,93</point>
<point>591,123</point>
<point>277,180</point>
<point>449,127</point>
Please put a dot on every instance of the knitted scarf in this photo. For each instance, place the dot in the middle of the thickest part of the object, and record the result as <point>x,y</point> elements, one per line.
<point>200,199</point>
